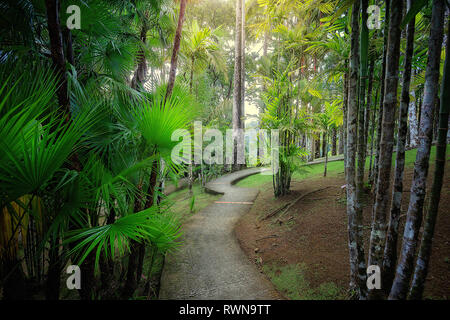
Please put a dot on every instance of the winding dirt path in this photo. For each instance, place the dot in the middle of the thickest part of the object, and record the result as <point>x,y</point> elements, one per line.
<point>210,263</point>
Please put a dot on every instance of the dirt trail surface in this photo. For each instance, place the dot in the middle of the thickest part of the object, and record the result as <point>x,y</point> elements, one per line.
<point>210,263</point>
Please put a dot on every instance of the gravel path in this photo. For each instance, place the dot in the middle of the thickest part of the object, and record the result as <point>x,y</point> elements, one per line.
<point>210,264</point>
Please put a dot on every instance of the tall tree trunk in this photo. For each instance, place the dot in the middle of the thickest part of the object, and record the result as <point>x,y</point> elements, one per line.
<point>191,77</point>
<point>378,233</point>
<point>140,74</point>
<point>423,259</point>
<point>238,82</point>
<point>107,265</point>
<point>364,50</point>
<point>243,64</point>
<point>131,281</point>
<point>372,136</point>
<point>436,119</point>
<point>88,281</point>
<point>390,250</point>
<point>413,124</point>
<point>380,111</point>
<point>419,106</point>
<point>137,252</point>
<point>356,250</point>
<point>176,48</point>
<point>361,146</point>
<point>341,140</point>
<point>333,141</point>
<point>317,147</point>
<point>68,43</point>
<point>59,63</point>
<point>325,142</point>
<point>345,113</point>
<point>57,52</point>
<point>368,109</point>
<point>418,186</point>
<point>52,287</point>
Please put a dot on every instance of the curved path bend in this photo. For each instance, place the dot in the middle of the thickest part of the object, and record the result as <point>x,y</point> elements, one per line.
<point>210,264</point>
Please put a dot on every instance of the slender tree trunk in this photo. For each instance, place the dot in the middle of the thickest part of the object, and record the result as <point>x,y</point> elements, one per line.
<point>345,114</point>
<point>69,48</point>
<point>361,147</point>
<point>243,64</point>
<point>137,252</point>
<point>131,279</point>
<point>107,266</point>
<point>317,147</point>
<point>390,250</point>
<point>372,136</point>
<point>176,48</point>
<point>59,63</point>
<point>57,52</point>
<point>333,141</point>
<point>378,234</point>
<point>382,93</point>
<point>140,74</point>
<point>368,109</point>
<point>413,125</point>
<point>436,118</point>
<point>325,142</point>
<point>419,106</point>
<point>418,187</point>
<point>88,281</point>
<point>356,250</point>
<point>238,82</point>
<point>52,287</point>
<point>191,77</point>
<point>341,140</point>
<point>421,270</point>
<point>364,50</point>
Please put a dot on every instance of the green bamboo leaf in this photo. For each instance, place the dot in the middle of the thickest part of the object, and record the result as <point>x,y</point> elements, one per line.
<point>416,6</point>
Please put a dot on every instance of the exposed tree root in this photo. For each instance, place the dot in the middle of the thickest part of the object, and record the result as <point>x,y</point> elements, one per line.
<point>285,208</point>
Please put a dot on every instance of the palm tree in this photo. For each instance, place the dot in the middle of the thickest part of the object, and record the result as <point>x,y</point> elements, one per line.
<point>330,118</point>
<point>378,232</point>
<point>390,251</point>
<point>200,47</point>
<point>361,150</point>
<point>176,48</point>
<point>382,93</point>
<point>57,51</point>
<point>423,259</point>
<point>146,16</point>
<point>357,260</point>
<point>239,81</point>
<point>418,187</point>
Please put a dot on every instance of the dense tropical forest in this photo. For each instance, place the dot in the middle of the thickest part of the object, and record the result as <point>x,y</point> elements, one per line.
<point>125,123</point>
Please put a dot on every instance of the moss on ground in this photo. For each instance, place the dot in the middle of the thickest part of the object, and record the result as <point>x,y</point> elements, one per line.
<point>290,280</point>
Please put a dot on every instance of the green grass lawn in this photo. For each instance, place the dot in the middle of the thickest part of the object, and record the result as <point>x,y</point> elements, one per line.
<point>316,170</point>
